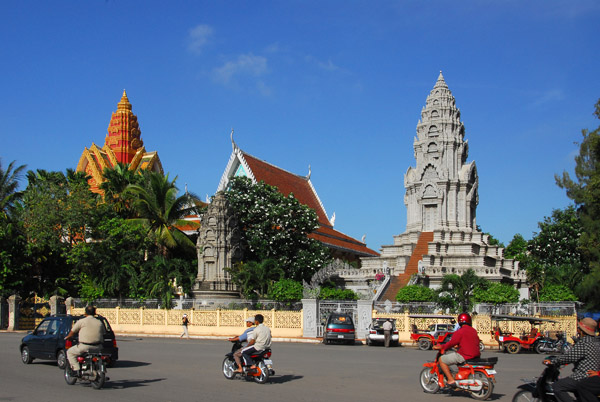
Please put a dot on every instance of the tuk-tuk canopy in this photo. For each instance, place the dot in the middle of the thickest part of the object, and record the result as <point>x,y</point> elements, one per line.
<point>531,320</point>
<point>433,316</point>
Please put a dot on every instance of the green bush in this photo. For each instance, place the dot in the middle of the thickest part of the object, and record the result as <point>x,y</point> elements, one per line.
<point>415,293</point>
<point>328,293</point>
<point>286,290</point>
<point>496,293</point>
<point>557,293</point>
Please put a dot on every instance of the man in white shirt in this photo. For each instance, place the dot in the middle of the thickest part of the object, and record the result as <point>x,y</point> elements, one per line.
<point>258,340</point>
<point>387,332</point>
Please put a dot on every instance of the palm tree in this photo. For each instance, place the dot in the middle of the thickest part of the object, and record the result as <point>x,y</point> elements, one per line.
<point>460,288</point>
<point>117,179</point>
<point>160,210</point>
<point>9,182</point>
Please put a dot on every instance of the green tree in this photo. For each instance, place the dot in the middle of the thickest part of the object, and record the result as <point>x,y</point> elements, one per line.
<point>160,210</point>
<point>584,190</point>
<point>117,179</point>
<point>277,227</point>
<point>456,291</point>
<point>517,248</point>
<point>9,183</point>
<point>254,279</point>
<point>286,290</point>
<point>415,293</point>
<point>557,293</point>
<point>554,255</point>
<point>109,264</point>
<point>496,293</point>
<point>160,275</point>
<point>12,263</point>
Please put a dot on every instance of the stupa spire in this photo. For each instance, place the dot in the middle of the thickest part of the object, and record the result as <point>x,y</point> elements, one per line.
<point>124,103</point>
<point>123,135</point>
<point>440,81</point>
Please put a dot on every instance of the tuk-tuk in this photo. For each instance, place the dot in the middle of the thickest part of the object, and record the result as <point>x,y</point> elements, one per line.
<point>513,343</point>
<point>436,333</point>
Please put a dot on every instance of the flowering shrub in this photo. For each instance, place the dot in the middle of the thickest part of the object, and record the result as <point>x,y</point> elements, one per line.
<point>379,277</point>
<point>277,227</point>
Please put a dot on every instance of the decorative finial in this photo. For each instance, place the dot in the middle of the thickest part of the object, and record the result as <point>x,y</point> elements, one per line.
<point>364,237</point>
<point>124,103</point>
<point>309,173</point>
<point>233,144</point>
<point>186,190</point>
<point>332,220</point>
<point>207,199</point>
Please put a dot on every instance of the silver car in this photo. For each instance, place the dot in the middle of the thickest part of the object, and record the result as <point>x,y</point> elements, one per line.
<point>375,332</point>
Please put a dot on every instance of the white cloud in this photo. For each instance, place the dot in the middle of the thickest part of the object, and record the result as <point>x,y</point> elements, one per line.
<point>549,96</point>
<point>323,65</point>
<point>246,64</point>
<point>198,37</point>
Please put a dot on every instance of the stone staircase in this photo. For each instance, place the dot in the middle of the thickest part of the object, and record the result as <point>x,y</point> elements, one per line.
<point>400,281</point>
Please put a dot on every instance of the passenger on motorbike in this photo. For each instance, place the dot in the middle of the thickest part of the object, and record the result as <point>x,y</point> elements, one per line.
<point>468,347</point>
<point>91,336</point>
<point>258,340</point>
<point>242,338</point>
<point>585,356</point>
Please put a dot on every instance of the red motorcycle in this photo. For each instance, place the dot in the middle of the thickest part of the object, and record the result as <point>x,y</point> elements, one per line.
<point>475,376</point>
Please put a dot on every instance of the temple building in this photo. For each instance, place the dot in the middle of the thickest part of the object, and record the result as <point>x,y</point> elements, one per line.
<point>122,144</point>
<point>441,199</point>
<point>218,239</point>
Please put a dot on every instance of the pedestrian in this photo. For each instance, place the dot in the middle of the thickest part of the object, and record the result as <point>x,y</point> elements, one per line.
<point>184,323</point>
<point>387,332</point>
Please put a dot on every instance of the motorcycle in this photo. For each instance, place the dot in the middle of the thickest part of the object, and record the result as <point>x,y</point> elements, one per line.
<point>93,369</point>
<point>262,360</point>
<point>539,389</point>
<point>475,376</point>
<point>548,345</point>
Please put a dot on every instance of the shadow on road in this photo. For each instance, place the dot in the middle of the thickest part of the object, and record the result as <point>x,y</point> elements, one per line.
<point>281,379</point>
<point>122,384</point>
<point>129,363</point>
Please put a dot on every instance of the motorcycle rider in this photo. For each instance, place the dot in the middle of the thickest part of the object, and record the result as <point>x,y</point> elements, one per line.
<point>242,338</point>
<point>91,336</point>
<point>468,347</point>
<point>585,356</point>
<point>258,340</point>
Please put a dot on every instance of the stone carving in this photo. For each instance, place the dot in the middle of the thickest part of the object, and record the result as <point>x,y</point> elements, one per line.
<point>219,246</point>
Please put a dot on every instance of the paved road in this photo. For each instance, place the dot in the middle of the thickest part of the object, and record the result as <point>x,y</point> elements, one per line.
<point>158,369</point>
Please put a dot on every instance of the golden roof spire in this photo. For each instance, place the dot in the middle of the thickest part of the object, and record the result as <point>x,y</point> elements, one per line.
<point>124,103</point>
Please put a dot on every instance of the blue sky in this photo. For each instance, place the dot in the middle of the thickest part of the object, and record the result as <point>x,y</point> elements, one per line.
<point>338,85</point>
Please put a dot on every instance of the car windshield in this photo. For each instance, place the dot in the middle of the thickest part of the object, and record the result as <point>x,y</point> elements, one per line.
<point>340,319</point>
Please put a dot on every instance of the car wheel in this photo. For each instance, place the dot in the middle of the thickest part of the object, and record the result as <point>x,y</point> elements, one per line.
<point>424,344</point>
<point>61,359</point>
<point>481,347</point>
<point>25,355</point>
<point>513,347</point>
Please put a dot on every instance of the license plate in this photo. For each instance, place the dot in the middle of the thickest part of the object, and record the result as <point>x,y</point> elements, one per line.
<point>490,371</point>
<point>340,336</point>
<point>268,362</point>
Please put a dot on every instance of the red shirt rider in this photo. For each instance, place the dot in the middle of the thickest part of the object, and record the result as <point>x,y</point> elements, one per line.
<point>467,340</point>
